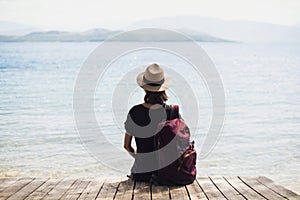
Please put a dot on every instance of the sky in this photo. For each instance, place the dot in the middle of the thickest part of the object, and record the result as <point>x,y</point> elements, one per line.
<point>115,14</point>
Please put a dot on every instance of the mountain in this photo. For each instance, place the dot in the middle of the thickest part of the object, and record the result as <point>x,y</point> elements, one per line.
<point>91,35</point>
<point>238,30</point>
<point>199,28</point>
<point>154,35</point>
<point>16,29</point>
<point>102,34</point>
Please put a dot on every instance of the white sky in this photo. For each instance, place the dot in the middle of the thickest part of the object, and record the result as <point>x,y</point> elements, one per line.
<point>83,14</point>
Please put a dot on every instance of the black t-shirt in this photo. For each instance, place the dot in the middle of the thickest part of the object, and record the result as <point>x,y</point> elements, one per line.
<point>142,123</point>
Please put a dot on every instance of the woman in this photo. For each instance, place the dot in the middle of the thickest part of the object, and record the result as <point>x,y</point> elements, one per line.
<point>142,121</point>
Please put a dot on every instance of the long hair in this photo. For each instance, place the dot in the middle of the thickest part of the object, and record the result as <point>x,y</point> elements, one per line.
<point>155,97</point>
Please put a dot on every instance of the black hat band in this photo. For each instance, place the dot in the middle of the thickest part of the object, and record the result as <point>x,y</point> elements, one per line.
<point>151,83</point>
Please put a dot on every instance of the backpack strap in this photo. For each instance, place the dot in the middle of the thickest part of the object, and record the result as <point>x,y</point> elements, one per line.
<point>174,111</point>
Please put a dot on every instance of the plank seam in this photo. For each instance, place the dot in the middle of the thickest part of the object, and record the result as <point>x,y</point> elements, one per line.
<point>117,189</point>
<point>132,192</point>
<point>218,188</point>
<point>100,190</point>
<point>273,190</point>
<point>202,189</point>
<point>234,187</point>
<point>36,188</point>
<point>83,189</point>
<point>88,191</point>
<point>52,188</point>
<point>169,190</point>
<point>68,189</point>
<point>150,190</point>
<point>252,187</point>
<point>7,186</point>
<point>20,188</point>
<point>132,197</point>
<point>187,192</point>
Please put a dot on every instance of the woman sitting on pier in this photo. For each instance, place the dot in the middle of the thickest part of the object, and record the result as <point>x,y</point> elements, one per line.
<point>142,121</point>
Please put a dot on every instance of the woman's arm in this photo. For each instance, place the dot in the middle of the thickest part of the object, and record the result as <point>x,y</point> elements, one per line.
<point>127,144</point>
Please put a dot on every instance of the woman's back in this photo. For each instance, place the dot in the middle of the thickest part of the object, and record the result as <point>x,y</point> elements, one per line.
<point>142,123</point>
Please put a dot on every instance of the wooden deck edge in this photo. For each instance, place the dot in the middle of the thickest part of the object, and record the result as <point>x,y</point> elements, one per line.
<point>204,187</point>
<point>263,180</point>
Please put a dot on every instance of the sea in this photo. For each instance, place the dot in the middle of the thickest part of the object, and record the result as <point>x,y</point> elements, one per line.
<point>260,134</point>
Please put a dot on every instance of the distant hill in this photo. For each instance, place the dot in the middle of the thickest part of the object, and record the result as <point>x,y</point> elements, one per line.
<point>205,29</point>
<point>102,34</point>
<point>237,30</point>
<point>91,35</point>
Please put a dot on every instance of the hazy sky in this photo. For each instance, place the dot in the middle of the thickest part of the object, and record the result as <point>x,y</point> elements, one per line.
<point>82,14</point>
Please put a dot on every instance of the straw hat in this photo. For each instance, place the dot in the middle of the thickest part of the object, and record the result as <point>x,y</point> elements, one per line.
<point>153,79</point>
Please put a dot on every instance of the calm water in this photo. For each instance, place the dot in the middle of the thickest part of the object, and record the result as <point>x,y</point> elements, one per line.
<point>260,136</point>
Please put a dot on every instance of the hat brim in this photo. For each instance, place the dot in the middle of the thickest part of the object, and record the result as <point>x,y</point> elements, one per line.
<point>163,87</point>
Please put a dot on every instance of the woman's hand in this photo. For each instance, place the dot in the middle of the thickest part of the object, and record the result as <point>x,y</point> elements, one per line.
<point>127,144</point>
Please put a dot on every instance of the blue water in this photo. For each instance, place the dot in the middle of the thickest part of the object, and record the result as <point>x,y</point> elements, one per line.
<point>38,136</point>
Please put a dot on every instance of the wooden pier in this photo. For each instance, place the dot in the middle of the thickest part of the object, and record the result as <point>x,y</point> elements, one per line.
<point>94,188</point>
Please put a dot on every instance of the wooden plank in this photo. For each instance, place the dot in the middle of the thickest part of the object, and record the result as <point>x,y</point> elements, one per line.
<point>89,188</point>
<point>278,188</point>
<point>42,191</point>
<point>228,191</point>
<point>28,189</point>
<point>109,189</point>
<point>209,188</point>
<point>60,189</point>
<point>76,189</point>
<point>92,189</point>
<point>260,188</point>
<point>243,189</point>
<point>15,187</point>
<point>141,190</point>
<point>195,192</point>
<point>125,189</point>
<point>6,182</point>
<point>178,192</point>
<point>160,192</point>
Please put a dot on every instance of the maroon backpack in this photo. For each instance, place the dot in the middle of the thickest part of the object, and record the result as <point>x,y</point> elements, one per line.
<point>175,134</point>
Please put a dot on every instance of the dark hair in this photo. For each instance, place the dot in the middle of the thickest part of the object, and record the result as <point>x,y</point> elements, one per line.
<point>155,97</point>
